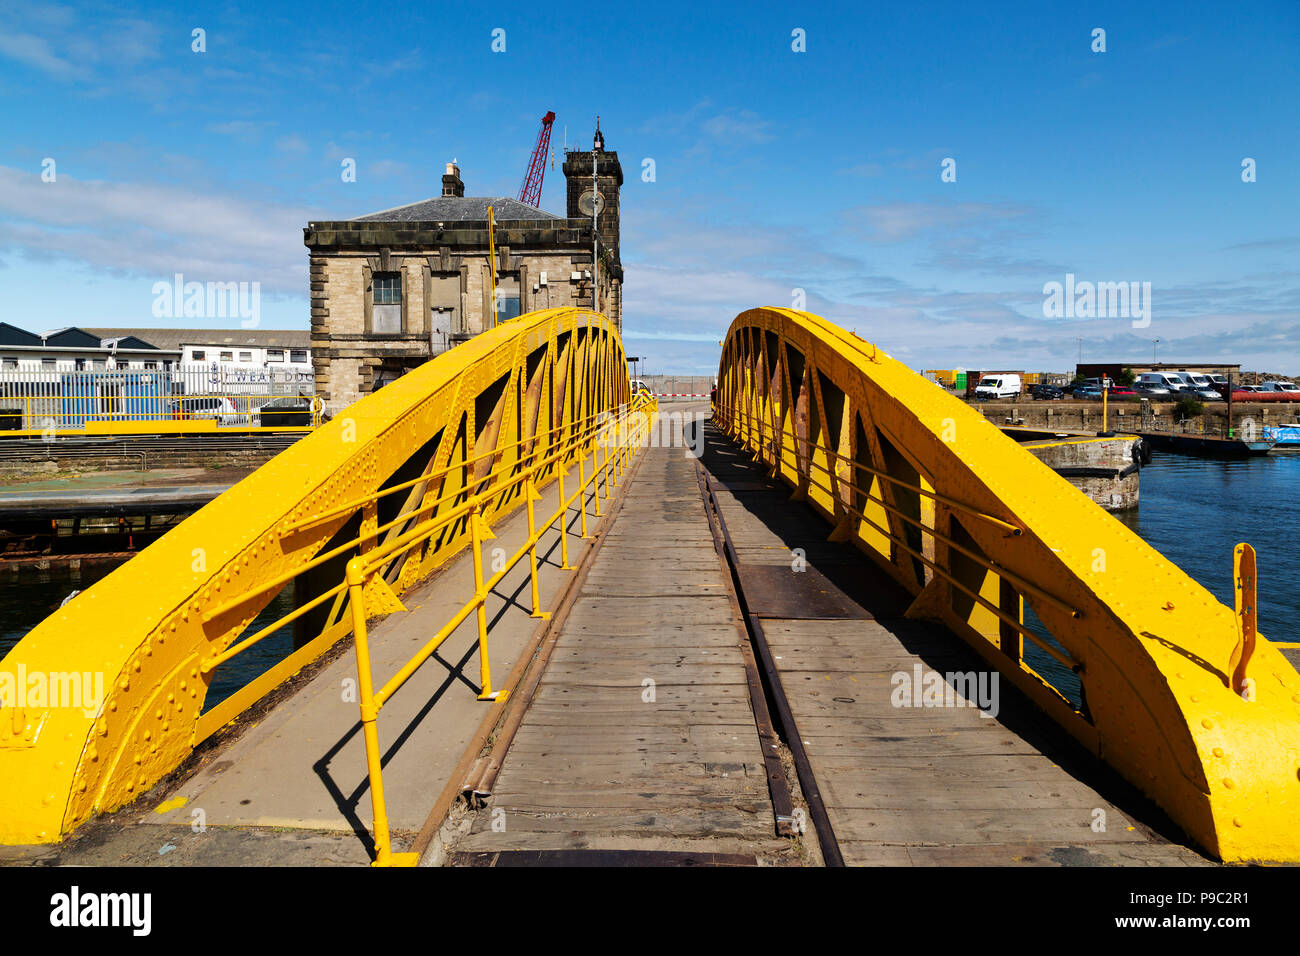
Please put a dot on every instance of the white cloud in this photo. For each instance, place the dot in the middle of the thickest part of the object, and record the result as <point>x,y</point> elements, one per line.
<point>898,221</point>
<point>154,230</point>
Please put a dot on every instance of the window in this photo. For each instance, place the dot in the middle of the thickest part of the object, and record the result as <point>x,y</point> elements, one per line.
<point>150,366</point>
<point>508,308</point>
<point>49,363</point>
<point>227,356</point>
<point>387,302</point>
<point>245,356</point>
<point>298,355</point>
<point>198,355</point>
<point>10,362</point>
<point>275,355</point>
<point>80,365</point>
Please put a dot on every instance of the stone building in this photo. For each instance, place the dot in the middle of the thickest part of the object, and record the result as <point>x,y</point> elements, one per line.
<point>392,289</point>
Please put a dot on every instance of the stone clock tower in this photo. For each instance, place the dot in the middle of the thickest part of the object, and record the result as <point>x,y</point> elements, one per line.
<point>609,180</point>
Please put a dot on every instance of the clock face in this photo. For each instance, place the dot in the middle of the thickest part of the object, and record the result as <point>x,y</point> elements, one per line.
<point>591,202</point>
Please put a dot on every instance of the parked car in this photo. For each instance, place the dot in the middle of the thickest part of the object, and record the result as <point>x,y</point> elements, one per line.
<point>998,386</point>
<point>1088,392</point>
<point>1045,392</point>
<point>222,409</point>
<point>1280,387</point>
<point>1146,390</point>
<point>1122,391</point>
<point>288,410</point>
<point>1248,388</point>
<point>1219,383</point>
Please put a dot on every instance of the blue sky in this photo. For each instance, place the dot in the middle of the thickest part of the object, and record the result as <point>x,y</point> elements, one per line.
<point>775,170</point>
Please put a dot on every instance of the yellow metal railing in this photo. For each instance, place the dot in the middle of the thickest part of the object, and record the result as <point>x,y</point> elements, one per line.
<point>898,541</point>
<point>390,479</point>
<point>57,412</point>
<point>624,434</point>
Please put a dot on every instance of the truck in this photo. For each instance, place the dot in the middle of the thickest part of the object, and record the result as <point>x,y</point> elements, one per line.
<point>998,385</point>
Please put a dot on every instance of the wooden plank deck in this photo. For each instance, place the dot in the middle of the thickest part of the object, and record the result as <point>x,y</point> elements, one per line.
<point>907,785</point>
<point>598,763</point>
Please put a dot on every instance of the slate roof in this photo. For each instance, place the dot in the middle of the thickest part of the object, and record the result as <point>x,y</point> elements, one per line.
<point>459,209</point>
<point>172,339</point>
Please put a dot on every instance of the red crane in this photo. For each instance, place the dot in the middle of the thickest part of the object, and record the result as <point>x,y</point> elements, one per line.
<point>531,191</point>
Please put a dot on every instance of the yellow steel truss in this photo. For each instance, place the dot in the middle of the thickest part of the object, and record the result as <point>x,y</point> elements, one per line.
<point>376,484</point>
<point>1177,694</point>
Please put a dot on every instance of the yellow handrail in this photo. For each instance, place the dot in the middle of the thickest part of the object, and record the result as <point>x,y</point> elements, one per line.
<point>362,567</point>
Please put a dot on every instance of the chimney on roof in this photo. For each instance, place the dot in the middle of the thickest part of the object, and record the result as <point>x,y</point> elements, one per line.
<point>451,184</point>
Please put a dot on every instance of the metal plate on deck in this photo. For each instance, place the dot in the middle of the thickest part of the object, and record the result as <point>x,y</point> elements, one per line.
<point>779,591</point>
<point>746,484</point>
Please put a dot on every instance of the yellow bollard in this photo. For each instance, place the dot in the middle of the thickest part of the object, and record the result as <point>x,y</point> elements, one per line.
<point>369,712</point>
<point>1243,575</point>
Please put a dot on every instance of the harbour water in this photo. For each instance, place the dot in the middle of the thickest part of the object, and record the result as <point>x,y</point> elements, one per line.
<point>1194,510</point>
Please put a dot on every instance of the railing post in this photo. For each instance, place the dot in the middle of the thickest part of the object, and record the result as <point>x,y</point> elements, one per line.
<point>480,600</point>
<point>561,471</point>
<point>530,493</point>
<point>369,713</point>
<point>582,491</point>
<point>596,471</point>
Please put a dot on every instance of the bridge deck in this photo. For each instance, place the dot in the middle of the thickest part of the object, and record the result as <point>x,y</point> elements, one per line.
<point>912,785</point>
<point>594,766</point>
<point>640,734</point>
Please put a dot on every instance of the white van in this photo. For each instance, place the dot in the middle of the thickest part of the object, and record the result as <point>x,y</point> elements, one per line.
<point>1167,380</point>
<point>998,386</point>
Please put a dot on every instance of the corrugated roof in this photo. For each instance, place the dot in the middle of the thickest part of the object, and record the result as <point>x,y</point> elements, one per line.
<point>173,339</point>
<point>459,209</point>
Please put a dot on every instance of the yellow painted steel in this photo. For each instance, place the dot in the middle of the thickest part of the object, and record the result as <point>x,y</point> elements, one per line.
<point>619,435</point>
<point>1154,651</point>
<point>158,628</point>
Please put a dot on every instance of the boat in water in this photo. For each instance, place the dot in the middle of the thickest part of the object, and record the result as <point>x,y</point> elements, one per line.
<point>1283,436</point>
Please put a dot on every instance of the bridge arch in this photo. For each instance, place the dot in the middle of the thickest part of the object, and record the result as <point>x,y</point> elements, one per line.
<point>160,626</point>
<point>1005,552</point>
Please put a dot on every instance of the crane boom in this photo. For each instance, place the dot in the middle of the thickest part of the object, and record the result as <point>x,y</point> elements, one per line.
<point>531,191</point>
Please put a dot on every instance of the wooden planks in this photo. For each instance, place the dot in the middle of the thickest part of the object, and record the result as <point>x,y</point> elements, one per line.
<point>640,734</point>
<point>910,780</point>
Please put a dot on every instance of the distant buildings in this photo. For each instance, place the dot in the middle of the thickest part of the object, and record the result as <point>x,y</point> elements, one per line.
<point>105,349</point>
<point>392,289</point>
